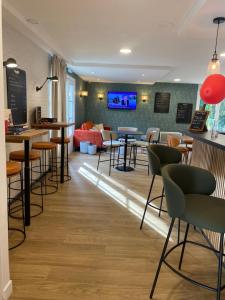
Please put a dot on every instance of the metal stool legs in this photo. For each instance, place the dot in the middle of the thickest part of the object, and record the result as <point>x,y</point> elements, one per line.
<point>12,228</point>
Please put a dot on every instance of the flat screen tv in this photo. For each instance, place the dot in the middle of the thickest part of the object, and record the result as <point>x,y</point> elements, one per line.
<point>122,100</point>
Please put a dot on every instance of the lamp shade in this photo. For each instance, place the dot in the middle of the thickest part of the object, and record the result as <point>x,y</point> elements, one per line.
<point>213,89</point>
<point>10,63</point>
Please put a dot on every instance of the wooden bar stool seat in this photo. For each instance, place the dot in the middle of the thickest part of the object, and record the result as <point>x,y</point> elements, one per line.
<point>57,140</point>
<point>20,155</point>
<point>43,145</point>
<point>16,226</point>
<point>13,168</point>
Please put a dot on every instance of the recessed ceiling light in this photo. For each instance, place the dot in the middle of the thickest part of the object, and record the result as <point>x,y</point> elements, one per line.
<point>92,72</point>
<point>143,75</point>
<point>32,21</point>
<point>222,54</point>
<point>125,51</point>
<point>177,80</point>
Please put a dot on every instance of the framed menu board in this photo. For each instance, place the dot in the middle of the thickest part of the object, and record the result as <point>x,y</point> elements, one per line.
<point>184,113</point>
<point>199,120</point>
<point>162,102</point>
<point>17,95</point>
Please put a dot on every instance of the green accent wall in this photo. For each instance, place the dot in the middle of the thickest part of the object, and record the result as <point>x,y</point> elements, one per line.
<point>144,116</point>
<point>80,104</point>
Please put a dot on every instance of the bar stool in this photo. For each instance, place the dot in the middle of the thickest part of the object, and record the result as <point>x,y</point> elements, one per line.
<point>34,156</point>
<point>57,140</point>
<point>174,142</point>
<point>188,194</point>
<point>159,156</point>
<point>14,169</point>
<point>109,144</point>
<point>46,148</point>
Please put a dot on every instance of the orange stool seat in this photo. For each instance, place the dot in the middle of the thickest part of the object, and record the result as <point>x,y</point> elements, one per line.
<point>20,155</point>
<point>43,145</point>
<point>13,168</point>
<point>57,140</point>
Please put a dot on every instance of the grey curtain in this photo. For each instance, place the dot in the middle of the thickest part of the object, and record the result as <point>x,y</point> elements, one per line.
<point>59,89</point>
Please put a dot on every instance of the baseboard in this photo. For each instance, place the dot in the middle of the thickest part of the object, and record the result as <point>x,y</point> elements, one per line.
<point>7,291</point>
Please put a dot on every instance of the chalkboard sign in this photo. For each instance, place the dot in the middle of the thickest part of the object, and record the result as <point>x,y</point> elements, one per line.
<point>162,103</point>
<point>199,120</point>
<point>184,113</point>
<point>17,95</point>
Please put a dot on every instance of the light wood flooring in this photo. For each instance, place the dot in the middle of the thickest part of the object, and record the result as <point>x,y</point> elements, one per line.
<point>87,244</point>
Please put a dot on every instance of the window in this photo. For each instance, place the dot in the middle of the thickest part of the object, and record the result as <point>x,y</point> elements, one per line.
<point>217,115</point>
<point>70,103</point>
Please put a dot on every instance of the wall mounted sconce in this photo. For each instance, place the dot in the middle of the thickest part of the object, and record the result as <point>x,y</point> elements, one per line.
<point>144,98</point>
<point>53,78</point>
<point>83,94</point>
<point>10,63</point>
<point>100,96</point>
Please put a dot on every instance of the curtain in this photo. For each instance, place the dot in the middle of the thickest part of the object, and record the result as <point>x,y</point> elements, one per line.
<point>59,89</point>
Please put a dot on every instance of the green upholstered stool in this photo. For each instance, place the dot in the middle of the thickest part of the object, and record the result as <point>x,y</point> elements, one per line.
<point>159,156</point>
<point>191,201</point>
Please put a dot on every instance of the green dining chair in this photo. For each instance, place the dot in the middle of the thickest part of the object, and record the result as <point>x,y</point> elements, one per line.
<point>159,156</point>
<point>188,192</point>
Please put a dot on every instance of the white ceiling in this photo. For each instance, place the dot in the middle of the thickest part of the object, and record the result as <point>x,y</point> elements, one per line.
<point>169,38</point>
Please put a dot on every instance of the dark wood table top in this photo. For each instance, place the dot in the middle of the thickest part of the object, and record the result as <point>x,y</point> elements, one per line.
<point>25,135</point>
<point>53,126</point>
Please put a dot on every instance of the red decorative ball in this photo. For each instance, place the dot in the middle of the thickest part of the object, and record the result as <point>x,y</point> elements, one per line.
<point>213,89</point>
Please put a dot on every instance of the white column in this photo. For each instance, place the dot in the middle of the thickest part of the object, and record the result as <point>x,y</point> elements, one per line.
<point>5,282</point>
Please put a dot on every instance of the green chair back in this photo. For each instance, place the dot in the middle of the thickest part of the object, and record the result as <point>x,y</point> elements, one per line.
<point>160,155</point>
<point>183,179</point>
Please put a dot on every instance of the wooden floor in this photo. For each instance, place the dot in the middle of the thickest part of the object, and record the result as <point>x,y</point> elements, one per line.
<point>87,243</point>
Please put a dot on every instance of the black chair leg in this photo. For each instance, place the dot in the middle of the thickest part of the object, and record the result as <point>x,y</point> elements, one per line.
<point>183,247</point>
<point>161,201</point>
<point>178,232</point>
<point>110,161</point>
<point>146,205</point>
<point>220,266</point>
<point>162,258</point>
<point>99,157</point>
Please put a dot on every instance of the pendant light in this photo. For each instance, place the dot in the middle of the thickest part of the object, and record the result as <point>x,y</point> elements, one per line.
<point>214,64</point>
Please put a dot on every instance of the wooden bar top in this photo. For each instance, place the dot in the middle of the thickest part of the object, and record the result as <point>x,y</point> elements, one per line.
<point>55,126</point>
<point>206,138</point>
<point>25,136</point>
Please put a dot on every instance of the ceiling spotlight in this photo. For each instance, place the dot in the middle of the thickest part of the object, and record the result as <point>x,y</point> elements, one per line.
<point>92,72</point>
<point>10,63</point>
<point>222,54</point>
<point>143,75</point>
<point>177,80</point>
<point>125,51</point>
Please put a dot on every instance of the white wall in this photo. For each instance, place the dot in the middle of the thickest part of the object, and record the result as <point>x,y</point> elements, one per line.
<point>36,63</point>
<point>5,283</point>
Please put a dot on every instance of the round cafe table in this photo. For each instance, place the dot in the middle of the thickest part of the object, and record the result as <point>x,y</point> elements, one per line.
<point>126,134</point>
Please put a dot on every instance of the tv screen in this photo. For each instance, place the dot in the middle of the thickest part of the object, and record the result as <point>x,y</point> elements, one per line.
<point>122,100</point>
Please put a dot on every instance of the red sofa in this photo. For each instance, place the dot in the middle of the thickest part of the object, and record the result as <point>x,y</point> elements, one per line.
<point>85,134</point>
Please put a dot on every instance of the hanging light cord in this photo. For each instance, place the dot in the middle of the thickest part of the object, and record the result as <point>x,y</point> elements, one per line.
<point>217,33</point>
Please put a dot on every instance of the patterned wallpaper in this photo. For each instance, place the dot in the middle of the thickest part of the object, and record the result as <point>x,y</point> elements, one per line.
<point>80,103</point>
<point>144,116</point>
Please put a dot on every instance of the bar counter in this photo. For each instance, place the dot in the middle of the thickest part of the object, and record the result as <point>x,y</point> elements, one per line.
<point>209,154</point>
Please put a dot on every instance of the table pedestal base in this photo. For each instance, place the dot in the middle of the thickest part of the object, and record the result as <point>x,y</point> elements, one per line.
<point>124,169</point>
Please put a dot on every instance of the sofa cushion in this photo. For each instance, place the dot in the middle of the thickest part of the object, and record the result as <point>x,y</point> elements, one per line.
<point>87,125</point>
